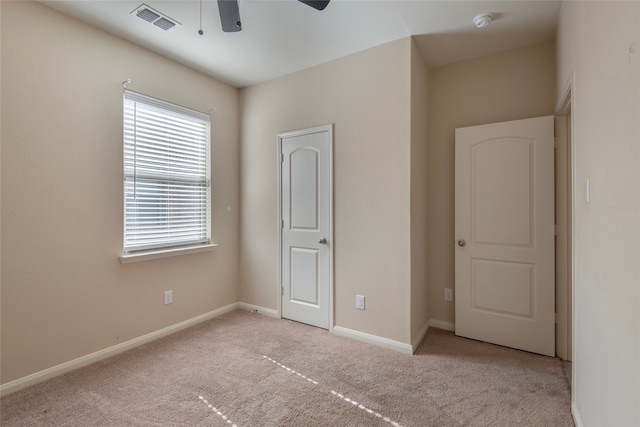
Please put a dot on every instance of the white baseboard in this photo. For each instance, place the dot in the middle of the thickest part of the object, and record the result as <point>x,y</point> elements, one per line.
<point>373,339</point>
<point>261,310</point>
<point>441,324</point>
<point>577,419</point>
<point>418,339</point>
<point>63,368</point>
<point>71,365</point>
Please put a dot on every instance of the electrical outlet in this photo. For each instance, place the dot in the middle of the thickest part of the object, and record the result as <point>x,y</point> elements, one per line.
<point>448,294</point>
<point>168,297</point>
<point>359,302</point>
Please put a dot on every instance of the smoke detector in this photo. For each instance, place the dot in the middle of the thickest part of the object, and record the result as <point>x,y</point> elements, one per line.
<point>154,17</point>
<point>483,20</point>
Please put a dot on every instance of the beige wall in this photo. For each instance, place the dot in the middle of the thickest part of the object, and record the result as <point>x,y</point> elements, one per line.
<point>507,86</point>
<point>600,43</point>
<point>64,292</point>
<point>366,96</point>
<point>419,195</point>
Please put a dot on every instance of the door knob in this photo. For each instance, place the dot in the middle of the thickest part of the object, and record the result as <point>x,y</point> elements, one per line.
<point>462,242</point>
<point>323,241</point>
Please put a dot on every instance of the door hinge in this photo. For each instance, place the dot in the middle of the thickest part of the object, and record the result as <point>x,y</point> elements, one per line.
<point>556,228</point>
<point>282,224</point>
<point>282,158</point>
<point>556,318</point>
<point>282,290</point>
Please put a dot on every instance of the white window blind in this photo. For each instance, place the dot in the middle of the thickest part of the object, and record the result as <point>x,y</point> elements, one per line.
<point>166,175</point>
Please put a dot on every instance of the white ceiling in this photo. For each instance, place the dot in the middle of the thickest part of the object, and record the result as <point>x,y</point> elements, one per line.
<point>282,36</point>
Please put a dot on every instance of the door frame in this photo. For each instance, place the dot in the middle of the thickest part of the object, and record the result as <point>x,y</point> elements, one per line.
<point>565,257</point>
<point>279,159</point>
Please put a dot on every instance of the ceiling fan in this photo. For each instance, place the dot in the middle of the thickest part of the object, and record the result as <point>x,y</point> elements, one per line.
<point>230,14</point>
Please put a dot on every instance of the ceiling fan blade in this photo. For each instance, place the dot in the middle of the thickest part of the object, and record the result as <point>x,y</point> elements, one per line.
<point>316,4</point>
<point>229,15</point>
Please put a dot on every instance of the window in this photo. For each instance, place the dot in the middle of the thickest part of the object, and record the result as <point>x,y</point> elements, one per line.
<point>166,176</point>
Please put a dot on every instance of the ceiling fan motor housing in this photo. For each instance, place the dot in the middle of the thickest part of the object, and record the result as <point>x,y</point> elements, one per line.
<point>230,13</point>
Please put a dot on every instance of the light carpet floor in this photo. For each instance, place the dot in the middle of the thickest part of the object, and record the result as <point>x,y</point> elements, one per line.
<point>246,370</point>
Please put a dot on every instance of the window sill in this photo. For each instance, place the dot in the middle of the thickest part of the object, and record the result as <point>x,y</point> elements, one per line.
<point>163,253</point>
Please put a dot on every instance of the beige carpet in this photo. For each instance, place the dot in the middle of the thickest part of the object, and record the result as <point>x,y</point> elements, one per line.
<point>249,370</point>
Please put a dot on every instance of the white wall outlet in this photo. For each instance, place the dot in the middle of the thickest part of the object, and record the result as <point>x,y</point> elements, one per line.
<point>359,302</point>
<point>448,294</point>
<point>168,297</point>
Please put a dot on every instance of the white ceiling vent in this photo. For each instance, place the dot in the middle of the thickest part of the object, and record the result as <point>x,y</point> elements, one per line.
<point>154,17</point>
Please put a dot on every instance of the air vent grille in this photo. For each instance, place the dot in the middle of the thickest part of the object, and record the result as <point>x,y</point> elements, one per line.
<point>147,15</point>
<point>154,17</point>
<point>164,23</point>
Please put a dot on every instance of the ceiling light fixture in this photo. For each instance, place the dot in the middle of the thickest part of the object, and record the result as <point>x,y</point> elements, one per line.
<point>483,20</point>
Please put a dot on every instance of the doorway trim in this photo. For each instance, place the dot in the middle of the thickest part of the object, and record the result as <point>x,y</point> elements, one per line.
<point>565,288</point>
<point>287,134</point>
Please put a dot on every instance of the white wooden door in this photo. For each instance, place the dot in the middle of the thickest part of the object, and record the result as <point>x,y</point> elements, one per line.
<point>305,177</point>
<point>504,231</point>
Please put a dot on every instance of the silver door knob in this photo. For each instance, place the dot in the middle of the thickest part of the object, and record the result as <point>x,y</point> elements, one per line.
<point>462,242</point>
<point>323,241</point>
